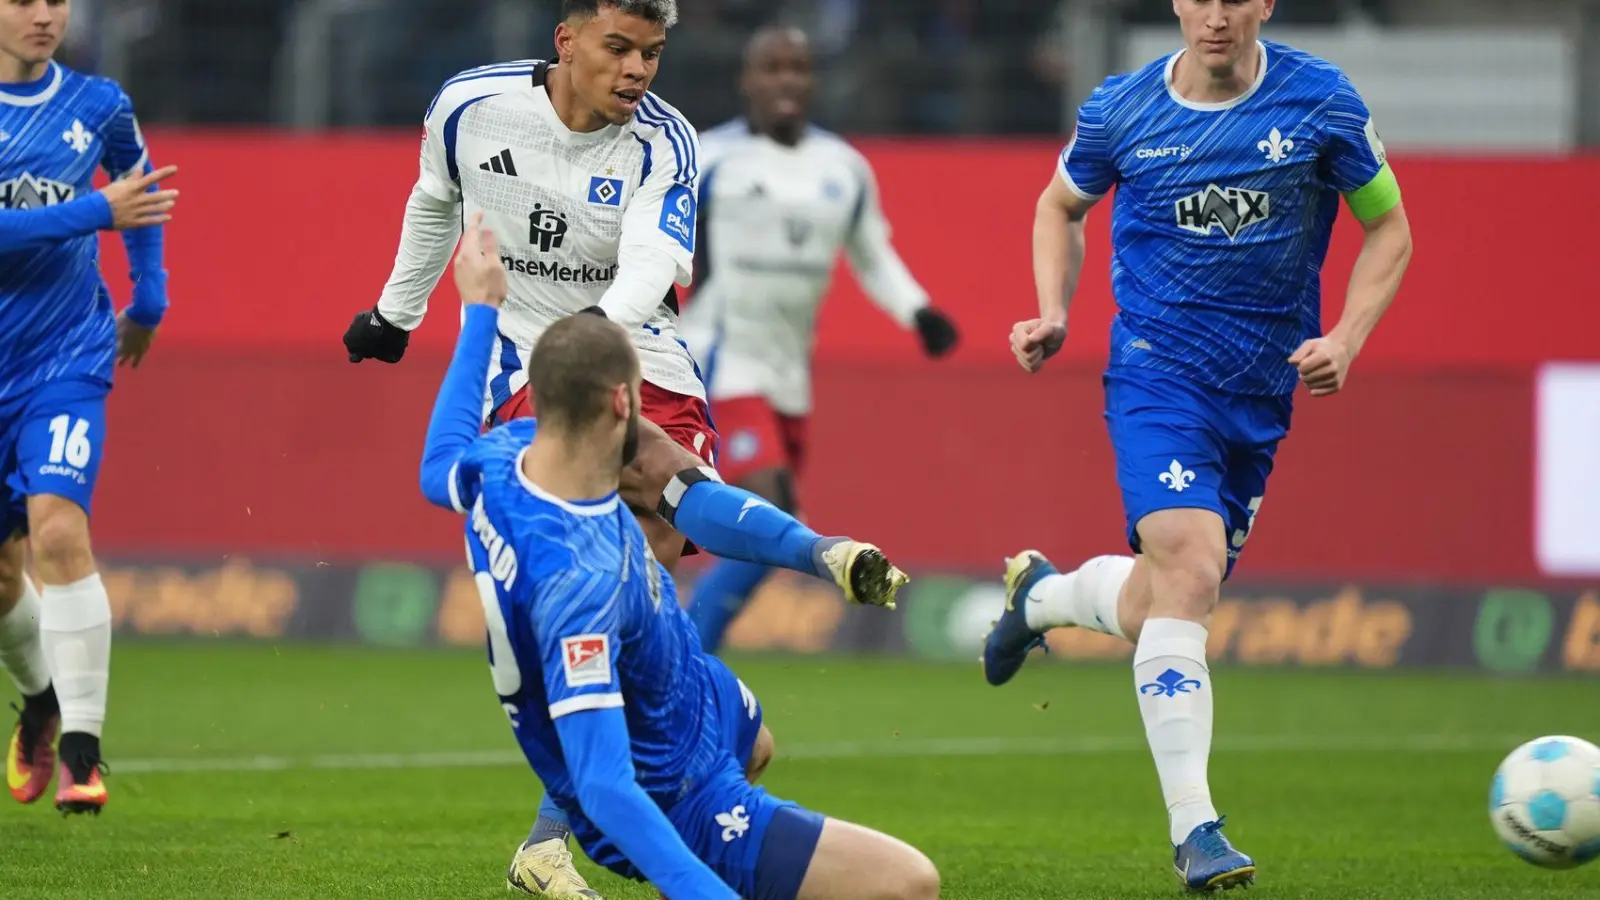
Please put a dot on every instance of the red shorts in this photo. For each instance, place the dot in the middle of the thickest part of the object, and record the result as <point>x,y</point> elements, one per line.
<point>684,418</point>
<point>758,437</point>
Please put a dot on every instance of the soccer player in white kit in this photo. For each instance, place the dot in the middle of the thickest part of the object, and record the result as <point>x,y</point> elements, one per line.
<point>590,184</point>
<point>780,200</point>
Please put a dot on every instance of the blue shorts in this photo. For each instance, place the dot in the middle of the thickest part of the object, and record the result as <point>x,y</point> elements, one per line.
<point>769,861</point>
<point>1181,445</point>
<point>738,710</point>
<point>51,442</point>
<point>760,845</point>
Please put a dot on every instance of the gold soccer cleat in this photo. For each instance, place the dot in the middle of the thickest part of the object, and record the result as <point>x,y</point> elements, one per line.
<point>545,869</point>
<point>864,574</point>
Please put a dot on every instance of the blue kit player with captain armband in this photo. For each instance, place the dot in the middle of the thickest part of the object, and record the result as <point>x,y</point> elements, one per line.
<point>1230,160</point>
<point>59,341</point>
<point>645,743</point>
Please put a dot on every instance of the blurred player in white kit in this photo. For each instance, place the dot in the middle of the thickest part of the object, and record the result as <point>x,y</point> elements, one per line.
<point>780,199</point>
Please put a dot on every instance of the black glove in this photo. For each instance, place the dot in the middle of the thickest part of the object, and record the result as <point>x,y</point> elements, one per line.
<point>937,331</point>
<point>370,336</point>
<point>594,311</point>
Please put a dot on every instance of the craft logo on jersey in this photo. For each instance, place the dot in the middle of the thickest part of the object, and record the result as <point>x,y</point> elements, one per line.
<point>27,192</point>
<point>605,191</point>
<point>1230,209</point>
<point>586,659</point>
<point>547,229</point>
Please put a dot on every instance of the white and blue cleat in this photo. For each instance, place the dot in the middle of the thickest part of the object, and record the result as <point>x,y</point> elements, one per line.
<point>1010,641</point>
<point>1205,861</point>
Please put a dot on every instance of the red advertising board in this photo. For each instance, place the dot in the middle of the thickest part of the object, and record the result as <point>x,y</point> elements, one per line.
<point>247,432</point>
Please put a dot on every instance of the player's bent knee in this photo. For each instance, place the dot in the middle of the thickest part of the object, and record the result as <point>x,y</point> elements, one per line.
<point>59,532</point>
<point>1184,539</point>
<point>659,458</point>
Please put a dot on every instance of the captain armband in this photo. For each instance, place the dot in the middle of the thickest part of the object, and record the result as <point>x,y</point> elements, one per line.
<point>1378,196</point>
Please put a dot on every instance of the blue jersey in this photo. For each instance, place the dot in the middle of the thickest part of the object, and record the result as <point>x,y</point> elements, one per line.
<point>583,617</point>
<point>55,309</point>
<point>1223,213</point>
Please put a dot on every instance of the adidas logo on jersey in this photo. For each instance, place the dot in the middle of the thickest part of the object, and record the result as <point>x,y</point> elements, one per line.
<point>27,192</point>
<point>500,164</point>
<point>1230,209</point>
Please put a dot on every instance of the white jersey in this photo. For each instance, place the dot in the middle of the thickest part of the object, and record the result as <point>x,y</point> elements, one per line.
<point>774,220</point>
<point>563,206</point>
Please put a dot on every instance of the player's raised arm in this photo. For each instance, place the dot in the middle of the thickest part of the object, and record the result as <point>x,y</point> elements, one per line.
<point>1084,174</point>
<point>1356,165</point>
<point>456,413</point>
<point>580,650</point>
<point>659,224</point>
<point>884,276</point>
<point>428,233</point>
<point>119,205</point>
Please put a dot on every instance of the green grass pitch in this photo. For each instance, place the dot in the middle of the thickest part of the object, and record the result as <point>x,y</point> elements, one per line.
<point>318,772</point>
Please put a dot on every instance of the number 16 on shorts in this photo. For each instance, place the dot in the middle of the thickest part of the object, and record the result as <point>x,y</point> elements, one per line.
<point>59,452</point>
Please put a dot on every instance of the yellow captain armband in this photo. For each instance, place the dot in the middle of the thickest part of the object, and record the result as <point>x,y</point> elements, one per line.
<point>1377,197</point>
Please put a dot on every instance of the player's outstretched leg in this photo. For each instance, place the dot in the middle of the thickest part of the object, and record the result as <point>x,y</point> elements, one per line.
<point>31,752</point>
<point>1038,598</point>
<point>851,862</point>
<point>75,626</point>
<point>736,524</point>
<point>543,865</point>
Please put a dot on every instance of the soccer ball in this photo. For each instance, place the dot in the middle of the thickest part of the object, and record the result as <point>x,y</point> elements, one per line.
<point>1545,802</point>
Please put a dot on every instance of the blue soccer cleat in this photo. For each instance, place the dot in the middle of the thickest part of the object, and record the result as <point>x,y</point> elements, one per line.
<point>1011,639</point>
<point>1205,861</point>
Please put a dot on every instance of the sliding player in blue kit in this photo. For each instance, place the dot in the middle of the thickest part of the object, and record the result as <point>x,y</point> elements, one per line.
<point>1229,159</point>
<point>60,339</point>
<point>640,738</point>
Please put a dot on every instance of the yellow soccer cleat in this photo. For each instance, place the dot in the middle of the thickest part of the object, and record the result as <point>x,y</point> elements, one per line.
<point>545,869</point>
<point>864,574</point>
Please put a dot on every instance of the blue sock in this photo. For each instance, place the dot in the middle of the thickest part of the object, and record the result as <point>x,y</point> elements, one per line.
<point>552,823</point>
<point>719,595</point>
<point>735,524</point>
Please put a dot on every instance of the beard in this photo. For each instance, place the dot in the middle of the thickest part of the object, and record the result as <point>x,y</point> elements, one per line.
<point>630,437</point>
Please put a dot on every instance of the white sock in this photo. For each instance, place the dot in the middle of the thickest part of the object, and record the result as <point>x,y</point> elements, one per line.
<point>1174,684</point>
<point>1086,598</point>
<point>75,623</point>
<point>21,653</point>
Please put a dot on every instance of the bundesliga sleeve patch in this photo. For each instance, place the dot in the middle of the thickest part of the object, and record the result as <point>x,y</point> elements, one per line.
<point>678,215</point>
<point>1375,143</point>
<point>586,659</point>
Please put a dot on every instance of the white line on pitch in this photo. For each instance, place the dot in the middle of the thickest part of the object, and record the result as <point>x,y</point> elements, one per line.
<point>825,750</point>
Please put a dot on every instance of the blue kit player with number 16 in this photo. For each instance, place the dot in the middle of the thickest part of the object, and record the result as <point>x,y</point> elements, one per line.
<point>1230,159</point>
<point>59,341</point>
<point>644,742</point>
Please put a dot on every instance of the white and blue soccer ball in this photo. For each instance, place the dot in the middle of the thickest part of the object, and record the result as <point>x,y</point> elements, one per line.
<point>1545,801</point>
